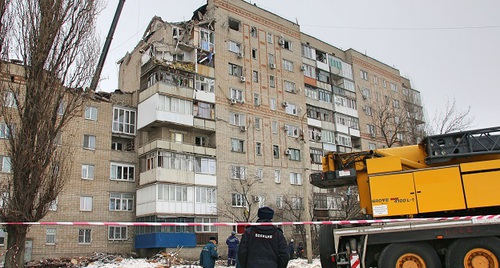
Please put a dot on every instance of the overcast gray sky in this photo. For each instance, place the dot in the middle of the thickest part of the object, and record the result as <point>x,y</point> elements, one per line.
<point>448,48</point>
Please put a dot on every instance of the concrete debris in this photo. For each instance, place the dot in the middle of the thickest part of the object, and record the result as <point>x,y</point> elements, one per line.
<point>160,260</point>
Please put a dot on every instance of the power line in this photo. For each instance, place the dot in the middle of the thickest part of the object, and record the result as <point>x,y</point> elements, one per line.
<point>405,28</point>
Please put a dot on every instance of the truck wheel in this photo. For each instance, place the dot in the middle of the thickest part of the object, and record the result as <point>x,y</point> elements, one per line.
<point>409,255</point>
<point>474,253</point>
<point>326,247</point>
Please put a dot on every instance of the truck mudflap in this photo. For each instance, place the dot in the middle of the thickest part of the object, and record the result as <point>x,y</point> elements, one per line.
<point>336,178</point>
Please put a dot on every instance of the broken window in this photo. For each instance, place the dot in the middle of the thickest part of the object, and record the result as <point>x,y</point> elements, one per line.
<point>235,70</point>
<point>206,40</point>
<point>253,31</point>
<point>286,44</point>
<point>254,53</point>
<point>234,24</point>
<point>321,56</point>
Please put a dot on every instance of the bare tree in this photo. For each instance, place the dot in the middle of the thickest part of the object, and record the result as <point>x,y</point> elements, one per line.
<point>388,119</point>
<point>415,122</point>
<point>243,193</point>
<point>450,120</point>
<point>55,43</point>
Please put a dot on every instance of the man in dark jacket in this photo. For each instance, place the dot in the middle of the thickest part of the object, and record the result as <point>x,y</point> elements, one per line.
<point>232,248</point>
<point>209,254</point>
<point>263,246</point>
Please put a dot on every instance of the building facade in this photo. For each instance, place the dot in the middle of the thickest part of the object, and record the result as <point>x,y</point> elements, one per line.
<point>215,117</point>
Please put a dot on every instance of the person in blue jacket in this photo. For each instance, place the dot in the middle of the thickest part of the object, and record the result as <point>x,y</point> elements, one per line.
<point>232,248</point>
<point>209,254</point>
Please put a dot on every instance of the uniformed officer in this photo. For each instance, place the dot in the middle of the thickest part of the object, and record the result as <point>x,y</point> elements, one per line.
<point>232,248</point>
<point>263,246</point>
<point>209,254</point>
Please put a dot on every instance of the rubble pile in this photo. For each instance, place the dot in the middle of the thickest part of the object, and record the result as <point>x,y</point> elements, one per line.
<point>160,260</point>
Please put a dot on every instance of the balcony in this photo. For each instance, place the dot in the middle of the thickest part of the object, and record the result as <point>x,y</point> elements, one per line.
<point>175,146</point>
<point>167,88</point>
<point>354,132</point>
<point>148,113</point>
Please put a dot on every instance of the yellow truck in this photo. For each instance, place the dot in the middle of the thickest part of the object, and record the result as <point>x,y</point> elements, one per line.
<point>450,175</point>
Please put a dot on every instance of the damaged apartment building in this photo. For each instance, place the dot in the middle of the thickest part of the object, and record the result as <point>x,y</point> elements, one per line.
<point>236,107</point>
<point>230,111</point>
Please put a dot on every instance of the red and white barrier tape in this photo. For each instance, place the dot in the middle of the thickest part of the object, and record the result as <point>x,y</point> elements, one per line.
<point>343,222</point>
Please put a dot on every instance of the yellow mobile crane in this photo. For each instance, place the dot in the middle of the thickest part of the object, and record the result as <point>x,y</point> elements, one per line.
<point>456,174</point>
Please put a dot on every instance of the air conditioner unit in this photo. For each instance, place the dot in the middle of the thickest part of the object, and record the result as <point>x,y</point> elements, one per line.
<point>242,79</point>
<point>287,152</point>
<point>281,41</point>
<point>318,137</point>
<point>286,127</point>
<point>284,104</point>
<point>240,54</point>
<point>272,65</point>
<point>256,198</point>
<point>233,101</point>
<point>243,128</point>
<point>302,67</point>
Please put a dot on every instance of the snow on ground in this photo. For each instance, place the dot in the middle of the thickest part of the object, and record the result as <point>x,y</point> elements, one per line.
<point>142,263</point>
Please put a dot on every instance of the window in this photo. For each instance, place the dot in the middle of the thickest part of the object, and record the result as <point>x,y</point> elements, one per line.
<point>124,121</point>
<point>256,99</point>
<point>238,200</point>
<point>363,74</point>
<point>291,109</point>
<point>272,104</point>
<point>121,202</point>
<point>309,71</point>
<point>9,99</point>
<point>257,122</point>
<point>395,103</point>
<point>237,119</point>
<point>205,165</point>
<point>89,141</point>
<point>85,203</point>
<point>84,236</point>
<point>5,131</point>
<point>294,154</point>
<point>205,228</point>
<point>117,146</point>
<point>254,53</point>
<point>270,38</point>
<point>201,141</point>
<point>206,195</point>
<point>87,172</point>
<point>292,131</point>
<point>289,86</point>
<point>258,148</point>
<point>177,193</point>
<point>375,80</point>
<point>307,51</point>
<point>371,130</point>
<point>206,40</point>
<point>365,92</point>
<point>394,87</point>
<point>316,156</point>
<point>175,105</point>
<point>272,82</point>
<point>297,203</point>
<point>175,161</point>
<point>204,84</point>
<point>177,137</point>
<point>2,237</point>
<point>50,236</point>
<point>279,201</point>
<point>5,164</point>
<point>286,44</point>
<point>259,173</point>
<point>288,65</point>
<point>117,233</point>
<point>276,151</point>
<point>368,110</point>
<point>295,178</point>
<point>311,93</point>
<point>253,31</point>
<point>324,95</point>
<point>53,205</point>
<point>255,76</point>
<point>233,24</point>
<point>344,140</point>
<point>235,70</point>
<point>277,176</point>
<point>372,146</point>
<point>237,145</point>
<point>237,94</point>
<point>122,172</point>
<point>271,58</point>
<point>274,127</point>
<point>384,83</point>
<point>234,47</point>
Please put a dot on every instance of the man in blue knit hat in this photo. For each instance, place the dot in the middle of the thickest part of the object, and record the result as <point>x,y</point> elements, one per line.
<point>263,245</point>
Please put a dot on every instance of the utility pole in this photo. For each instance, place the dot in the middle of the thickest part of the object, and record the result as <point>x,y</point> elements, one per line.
<point>105,49</point>
<point>306,171</point>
